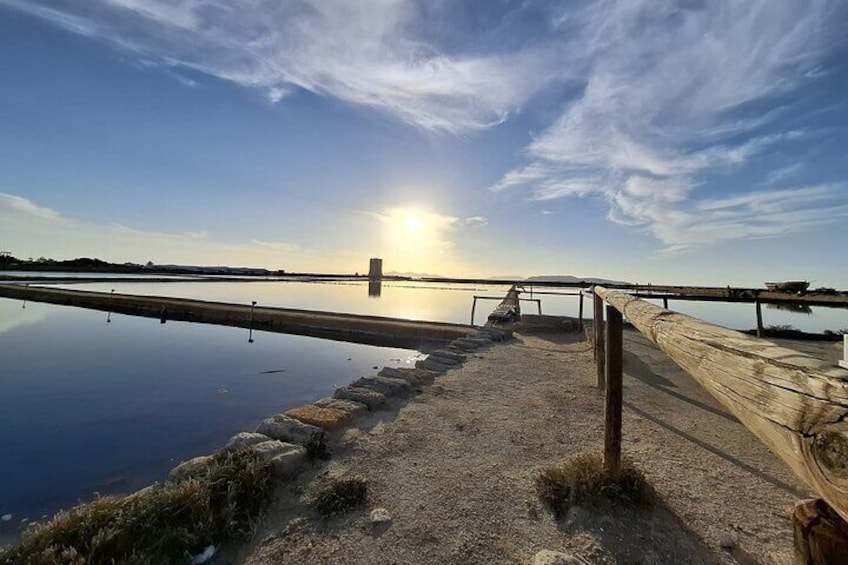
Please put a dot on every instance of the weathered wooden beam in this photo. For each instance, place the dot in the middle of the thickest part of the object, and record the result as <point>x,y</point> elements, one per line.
<point>598,323</point>
<point>795,404</point>
<point>759,308</point>
<point>614,393</point>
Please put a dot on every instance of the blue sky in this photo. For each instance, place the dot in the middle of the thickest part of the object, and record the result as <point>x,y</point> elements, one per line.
<point>686,141</point>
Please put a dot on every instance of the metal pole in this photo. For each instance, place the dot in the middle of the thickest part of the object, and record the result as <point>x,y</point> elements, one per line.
<point>614,393</point>
<point>759,319</point>
<point>473,307</point>
<point>250,323</point>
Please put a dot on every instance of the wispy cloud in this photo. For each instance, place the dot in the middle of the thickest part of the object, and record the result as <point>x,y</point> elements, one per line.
<point>779,175</point>
<point>372,53</point>
<point>675,93</point>
<point>46,232</point>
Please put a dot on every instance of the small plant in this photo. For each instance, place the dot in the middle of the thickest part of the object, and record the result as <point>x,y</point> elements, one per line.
<point>166,524</point>
<point>584,479</point>
<point>340,494</point>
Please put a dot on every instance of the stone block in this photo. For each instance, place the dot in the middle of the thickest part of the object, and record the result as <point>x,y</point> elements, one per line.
<point>370,398</point>
<point>287,429</point>
<point>432,365</point>
<point>245,439</point>
<point>191,467</point>
<point>458,357</point>
<point>326,418</point>
<point>443,360</point>
<point>355,409</point>
<point>384,385</point>
<point>286,459</point>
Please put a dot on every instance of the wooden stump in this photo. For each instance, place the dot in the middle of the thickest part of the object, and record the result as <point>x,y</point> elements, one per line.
<point>821,535</point>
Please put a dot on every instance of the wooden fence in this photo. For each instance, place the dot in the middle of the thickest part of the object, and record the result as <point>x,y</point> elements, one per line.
<point>795,404</point>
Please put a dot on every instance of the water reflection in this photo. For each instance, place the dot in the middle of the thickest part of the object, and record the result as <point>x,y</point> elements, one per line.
<point>794,308</point>
<point>375,288</point>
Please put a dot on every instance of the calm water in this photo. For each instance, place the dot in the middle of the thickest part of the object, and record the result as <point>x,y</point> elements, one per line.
<point>89,406</point>
<point>423,301</point>
<point>414,301</point>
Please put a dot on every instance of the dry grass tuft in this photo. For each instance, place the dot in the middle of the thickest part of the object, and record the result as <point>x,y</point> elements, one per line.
<point>165,524</point>
<point>340,494</point>
<point>584,479</point>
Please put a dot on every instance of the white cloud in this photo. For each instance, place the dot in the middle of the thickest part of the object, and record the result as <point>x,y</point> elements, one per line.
<point>673,92</point>
<point>366,53</point>
<point>475,222</point>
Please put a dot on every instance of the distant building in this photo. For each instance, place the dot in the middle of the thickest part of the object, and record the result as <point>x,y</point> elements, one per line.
<point>375,270</point>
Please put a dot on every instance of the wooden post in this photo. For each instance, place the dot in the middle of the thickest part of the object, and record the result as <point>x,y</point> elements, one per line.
<point>759,319</point>
<point>599,339</point>
<point>580,313</point>
<point>473,307</point>
<point>821,535</point>
<point>665,303</point>
<point>613,398</point>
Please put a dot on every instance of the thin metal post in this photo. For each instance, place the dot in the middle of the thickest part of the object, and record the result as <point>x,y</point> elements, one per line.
<point>598,313</point>
<point>759,319</point>
<point>614,393</point>
<point>250,324</point>
<point>473,307</point>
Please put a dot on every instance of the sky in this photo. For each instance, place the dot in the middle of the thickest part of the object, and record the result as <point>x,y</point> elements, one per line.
<point>688,141</point>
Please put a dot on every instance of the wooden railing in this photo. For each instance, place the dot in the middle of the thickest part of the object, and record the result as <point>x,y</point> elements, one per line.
<point>795,404</point>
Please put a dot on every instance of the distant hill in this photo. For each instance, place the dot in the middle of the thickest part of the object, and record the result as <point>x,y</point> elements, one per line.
<point>572,279</point>
<point>412,275</point>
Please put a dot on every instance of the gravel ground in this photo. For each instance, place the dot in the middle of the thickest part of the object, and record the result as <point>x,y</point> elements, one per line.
<point>454,467</point>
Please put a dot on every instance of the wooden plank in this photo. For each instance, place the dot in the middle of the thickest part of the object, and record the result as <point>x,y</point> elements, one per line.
<point>795,404</point>
<point>599,339</point>
<point>614,393</point>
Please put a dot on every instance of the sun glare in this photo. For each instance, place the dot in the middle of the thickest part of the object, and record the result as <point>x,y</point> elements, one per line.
<point>413,224</point>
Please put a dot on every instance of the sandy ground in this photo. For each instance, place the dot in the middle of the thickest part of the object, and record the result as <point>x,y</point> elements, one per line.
<point>455,464</point>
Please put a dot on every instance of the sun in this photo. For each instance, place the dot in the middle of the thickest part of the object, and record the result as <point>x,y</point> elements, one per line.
<point>413,224</point>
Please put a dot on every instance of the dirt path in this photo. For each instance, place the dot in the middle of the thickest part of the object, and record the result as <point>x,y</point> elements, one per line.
<point>454,466</point>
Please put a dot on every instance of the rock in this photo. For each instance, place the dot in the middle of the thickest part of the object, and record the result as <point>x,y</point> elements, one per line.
<point>384,385</point>
<point>726,541</point>
<point>432,365</point>
<point>326,418</point>
<point>245,439</point>
<point>458,357</point>
<point>547,557</point>
<point>370,398</point>
<point>355,409</point>
<point>443,360</point>
<point>412,375</point>
<point>286,459</point>
<point>286,429</point>
<point>493,333</point>
<point>190,467</point>
<point>204,556</point>
<point>6,517</point>
<point>466,344</point>
<point>380,516</point>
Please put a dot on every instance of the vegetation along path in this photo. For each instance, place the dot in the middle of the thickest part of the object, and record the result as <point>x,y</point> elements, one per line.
<point>455,466</point>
